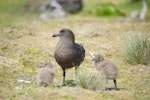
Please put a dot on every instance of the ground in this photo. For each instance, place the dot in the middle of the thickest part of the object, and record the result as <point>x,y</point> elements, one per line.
<point>27,42</point>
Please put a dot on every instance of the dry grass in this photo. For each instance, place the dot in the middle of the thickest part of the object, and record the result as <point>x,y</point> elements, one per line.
<point>104,36</point>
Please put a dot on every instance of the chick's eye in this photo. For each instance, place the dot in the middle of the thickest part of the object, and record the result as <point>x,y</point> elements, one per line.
<point>62,31</point>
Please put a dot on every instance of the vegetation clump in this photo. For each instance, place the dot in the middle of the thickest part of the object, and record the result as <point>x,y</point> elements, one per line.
<point>89,80</point>
<point>104,9</point>
<point>136,49</point>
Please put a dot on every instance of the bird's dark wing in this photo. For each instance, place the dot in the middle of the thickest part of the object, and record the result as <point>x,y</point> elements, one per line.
<point>80,54</point>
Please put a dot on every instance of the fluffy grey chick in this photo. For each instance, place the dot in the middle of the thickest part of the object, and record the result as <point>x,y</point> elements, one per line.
<point>46,74</point>
<point>68,54</point>
<point>107,69</point>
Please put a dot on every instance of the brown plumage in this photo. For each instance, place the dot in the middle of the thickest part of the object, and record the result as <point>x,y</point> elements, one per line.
<point>46,74</point>
<point>107,68</point>
<point>68,54</point>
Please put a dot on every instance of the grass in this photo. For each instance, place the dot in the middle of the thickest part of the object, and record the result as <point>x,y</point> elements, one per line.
<point>136,49</point>
<point>13,8</point>
<point>89,80</point>
<point>32,51</point>
<point>105,38</point>
<point>100,40</point>
<point>103,9</point>
<point>129,7</point>
<point>26,42</point>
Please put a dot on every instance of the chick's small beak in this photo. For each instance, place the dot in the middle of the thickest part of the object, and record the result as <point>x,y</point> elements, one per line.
<point>94,59</point>
<point>55,34</point>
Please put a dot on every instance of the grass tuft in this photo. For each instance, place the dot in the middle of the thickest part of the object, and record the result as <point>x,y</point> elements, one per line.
<point>136,50</point>
<point>88,80</point>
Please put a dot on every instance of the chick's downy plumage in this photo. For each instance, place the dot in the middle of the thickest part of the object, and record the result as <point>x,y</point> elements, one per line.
<point>107,69</point>
<point>45,74</point>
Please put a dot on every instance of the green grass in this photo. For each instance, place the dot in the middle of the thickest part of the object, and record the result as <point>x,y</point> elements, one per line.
<point>25,42</point>
<point>94,8</point>
<point>16,64</point>
<point>103,9</point>
<point>32,51</point>
<point>12,7</point>
<point>129,7</point>
<point>89,80</point>
<point>136,49</point>
<point>11,25</point>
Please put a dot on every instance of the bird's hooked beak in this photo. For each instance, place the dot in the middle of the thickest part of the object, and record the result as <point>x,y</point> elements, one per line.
<point>56,34</point>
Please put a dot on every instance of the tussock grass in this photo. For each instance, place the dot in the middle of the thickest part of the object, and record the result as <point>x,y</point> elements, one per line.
<point>88,80</point>
<point>136,50</point>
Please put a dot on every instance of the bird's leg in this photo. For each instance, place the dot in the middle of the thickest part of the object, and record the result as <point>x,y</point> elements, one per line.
<point>42,84</point>
<point>64,75</point>
<point>76,73</point>
<point>115,82</point>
